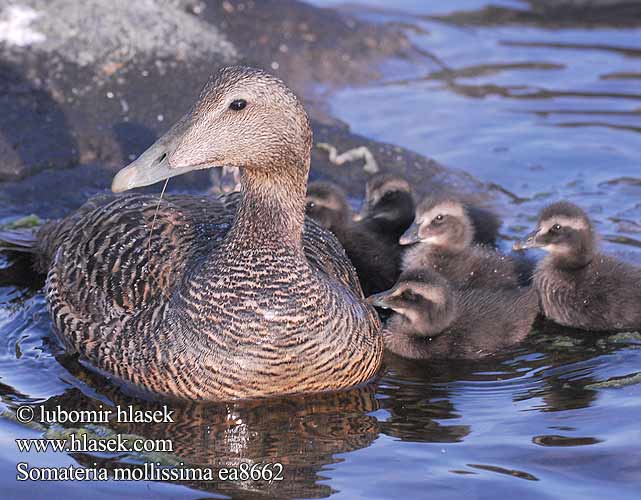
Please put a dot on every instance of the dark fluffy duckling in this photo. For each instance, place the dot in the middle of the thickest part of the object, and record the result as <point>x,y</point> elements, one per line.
<point>431,319</point>
<point>441,238</point>
<point>388,209</point>
<point>486,225</point>
<point>228,298</point>
<point>376,261</point>
<point>577,285</point>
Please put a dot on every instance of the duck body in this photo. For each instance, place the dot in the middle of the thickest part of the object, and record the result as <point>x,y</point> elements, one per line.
<point>213,299</point>
<point>449,323</point>
<point>228,319</point>
<point>604,295</point>
<point>376,259</point>
<point>472,267</point>
<point>577,285</point>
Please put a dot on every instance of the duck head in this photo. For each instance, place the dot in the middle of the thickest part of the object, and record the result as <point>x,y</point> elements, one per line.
<point>326,203</point>
<point>441,222</point>
<point>243,118</point>
<point>389,202</point>
<point>565,231</point>
<point>422,301</point>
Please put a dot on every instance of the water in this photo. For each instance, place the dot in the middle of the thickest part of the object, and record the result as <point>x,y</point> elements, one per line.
<point>542,110</point>
<point>544,113</point>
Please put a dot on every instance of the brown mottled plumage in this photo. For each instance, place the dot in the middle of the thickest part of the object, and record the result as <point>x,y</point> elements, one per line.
<point>240,297</point>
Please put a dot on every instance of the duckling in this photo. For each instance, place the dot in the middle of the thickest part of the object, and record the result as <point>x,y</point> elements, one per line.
<point>441,238</point>
<point>376,261</point>
<point>432,319</point>
<point>389,207</point>
<point>578,286</point>
<point>200,298</point>
<point>389,210</point>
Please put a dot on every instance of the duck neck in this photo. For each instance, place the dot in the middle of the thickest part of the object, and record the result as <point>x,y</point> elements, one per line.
<point>272,207</point>
<point>572,260</point>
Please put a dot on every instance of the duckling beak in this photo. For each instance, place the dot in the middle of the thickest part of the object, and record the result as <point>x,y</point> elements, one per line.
<point>379,299</point>
<point>153,166</point>
<point>528,242</point>
<point>410,236</point>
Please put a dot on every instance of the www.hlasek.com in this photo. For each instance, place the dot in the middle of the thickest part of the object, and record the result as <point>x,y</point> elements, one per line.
<point>83,442</point>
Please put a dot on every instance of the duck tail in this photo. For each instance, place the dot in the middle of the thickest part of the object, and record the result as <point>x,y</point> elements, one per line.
<point>21,241</point>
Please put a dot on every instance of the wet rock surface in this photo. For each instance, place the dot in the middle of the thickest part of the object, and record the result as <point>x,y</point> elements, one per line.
<point>86,87</point>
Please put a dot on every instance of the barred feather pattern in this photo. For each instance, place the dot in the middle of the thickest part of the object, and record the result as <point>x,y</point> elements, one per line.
<point>194,316</point>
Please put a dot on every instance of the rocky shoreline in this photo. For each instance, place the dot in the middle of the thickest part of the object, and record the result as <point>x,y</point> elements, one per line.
<point>86,87</point>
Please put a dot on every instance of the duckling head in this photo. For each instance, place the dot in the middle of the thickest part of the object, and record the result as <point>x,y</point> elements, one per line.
<point>243,118</point>
<point>326,203</point>
<point>388,200</point>
<point>441,222</point>
<point>422,300</point>
<point>565,231</point>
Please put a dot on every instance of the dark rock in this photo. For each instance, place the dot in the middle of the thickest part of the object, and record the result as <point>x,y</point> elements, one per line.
<point>77,109</point>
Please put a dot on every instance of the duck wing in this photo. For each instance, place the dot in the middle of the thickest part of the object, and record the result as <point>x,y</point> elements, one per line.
<point>105,263</point>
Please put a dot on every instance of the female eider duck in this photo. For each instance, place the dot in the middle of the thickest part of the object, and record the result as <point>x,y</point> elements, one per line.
<point>376,261</point>
<point>238,297</point>
<point>441,238</point>
<point>577,285</point>
<point>433,320</point>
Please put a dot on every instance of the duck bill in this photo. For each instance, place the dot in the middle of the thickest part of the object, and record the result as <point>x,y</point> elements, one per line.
<point>410,236</point>
<point>153,165</point>
<point>528,242</point>
<point>380,299</point>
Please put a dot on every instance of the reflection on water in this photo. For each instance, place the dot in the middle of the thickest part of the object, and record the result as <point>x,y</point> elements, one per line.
<point>528,99</point>
<point>302,433</point>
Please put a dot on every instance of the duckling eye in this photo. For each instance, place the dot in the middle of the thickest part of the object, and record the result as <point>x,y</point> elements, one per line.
<point>238,104</point>
<point>555,228</point>
<point>439,218</point>
<point>310,205</point>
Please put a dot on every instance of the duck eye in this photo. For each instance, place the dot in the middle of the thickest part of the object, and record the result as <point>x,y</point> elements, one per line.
<point>238,104</point>
<point>310,205</point>
<point>439,218</point>
<point>555,228</point>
